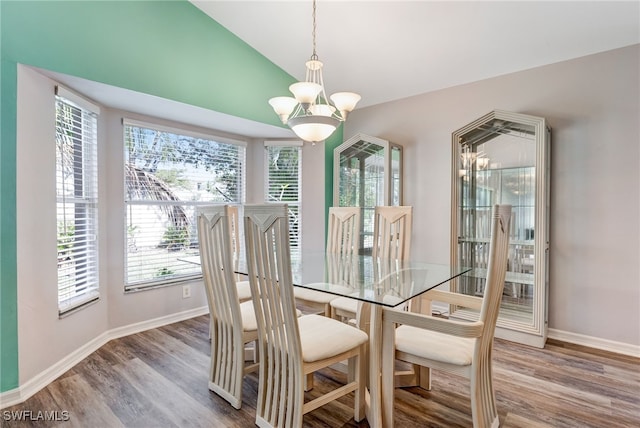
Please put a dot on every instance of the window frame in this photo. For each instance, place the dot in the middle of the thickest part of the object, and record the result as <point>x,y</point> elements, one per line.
<point>297,144</point>
<point>187,205</point>
<point>81,258</point>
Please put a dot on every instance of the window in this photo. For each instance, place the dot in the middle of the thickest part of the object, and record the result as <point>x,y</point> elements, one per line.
<point>168,173</point>
<point>77,201</point>
<point>283,183</point>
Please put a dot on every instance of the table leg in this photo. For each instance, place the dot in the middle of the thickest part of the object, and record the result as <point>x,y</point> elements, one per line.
<point>375,367</point>
<point>369,319</point>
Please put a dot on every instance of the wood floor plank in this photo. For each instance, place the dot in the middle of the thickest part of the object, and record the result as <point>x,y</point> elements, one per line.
<point>159,378</point>
<point>178,349</point>
<point>187,368</point>
<point>516,421</point>
<point>85,405</point>
<point>117,352</point>
<point>167,398</point>
<point>132,406</point>
<point>18,416</point>
<point>191,332</point>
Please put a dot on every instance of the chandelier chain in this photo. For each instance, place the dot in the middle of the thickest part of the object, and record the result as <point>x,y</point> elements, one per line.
<point>313,31</point>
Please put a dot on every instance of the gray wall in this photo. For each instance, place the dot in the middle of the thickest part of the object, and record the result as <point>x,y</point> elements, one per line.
<point>592,106</point>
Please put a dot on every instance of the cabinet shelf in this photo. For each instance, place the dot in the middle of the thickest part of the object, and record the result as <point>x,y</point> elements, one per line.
<point>512,242</point>
<point>489,207</point>
<point>511,277</point>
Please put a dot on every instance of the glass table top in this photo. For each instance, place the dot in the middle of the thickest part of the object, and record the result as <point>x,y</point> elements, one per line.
<point>386,282</point>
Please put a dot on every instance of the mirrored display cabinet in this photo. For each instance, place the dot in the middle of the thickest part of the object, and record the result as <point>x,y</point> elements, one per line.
<point>367,173</point>
<point>503,158</point>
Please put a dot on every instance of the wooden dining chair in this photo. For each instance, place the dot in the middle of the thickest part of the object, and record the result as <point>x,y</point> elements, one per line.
<point>458,347</point>
<point>342,239</point>
<point>391,240</point>
<point>233,324</point>
<point>290,348</point>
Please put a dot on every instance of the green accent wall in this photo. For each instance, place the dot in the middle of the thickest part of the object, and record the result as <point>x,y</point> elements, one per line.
<point>329,145</point>
<point>8,273</point>
<point>168,49</point>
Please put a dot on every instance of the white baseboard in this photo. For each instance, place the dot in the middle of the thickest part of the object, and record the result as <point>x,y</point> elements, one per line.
<point>41,380</point>
<point>595,342</point>
<point>156,322</point>
<point>575,338</point>
<point>44,378</point>
<point>9,398</point>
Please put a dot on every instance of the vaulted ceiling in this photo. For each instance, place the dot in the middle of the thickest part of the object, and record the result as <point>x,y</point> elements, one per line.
<point>386,50</point>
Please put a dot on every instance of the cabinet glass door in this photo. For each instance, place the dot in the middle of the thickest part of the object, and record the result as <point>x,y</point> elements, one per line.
<point>367,173</point>
<point>498,162</point>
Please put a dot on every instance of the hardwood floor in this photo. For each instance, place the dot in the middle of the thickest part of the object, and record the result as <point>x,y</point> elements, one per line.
<point>158,378</point>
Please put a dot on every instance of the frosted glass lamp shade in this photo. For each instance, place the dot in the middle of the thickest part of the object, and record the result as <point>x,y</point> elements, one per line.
<point>305,92</point>
<point>322,110</point>
<point>313,128</point>
<point>345,102</point>
<point>283,106</point>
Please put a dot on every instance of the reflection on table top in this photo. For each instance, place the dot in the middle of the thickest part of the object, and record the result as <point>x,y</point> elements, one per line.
<point>386,282</point>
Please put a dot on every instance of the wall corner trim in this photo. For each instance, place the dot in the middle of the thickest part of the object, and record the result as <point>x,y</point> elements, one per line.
<point>41,380</point>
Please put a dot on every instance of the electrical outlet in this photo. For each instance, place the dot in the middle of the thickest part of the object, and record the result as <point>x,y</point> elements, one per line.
<point>186,291</point>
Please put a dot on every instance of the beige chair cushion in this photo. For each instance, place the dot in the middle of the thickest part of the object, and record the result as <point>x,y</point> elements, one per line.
<point>244,290</point>
<point>322,337</point>
<point>313,295</point>
<point>434,346</point>
<point>351,305</point>
<point>249,322</point>
<point>345,304</point>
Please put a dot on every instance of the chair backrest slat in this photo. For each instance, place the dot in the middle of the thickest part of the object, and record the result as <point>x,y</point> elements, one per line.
<point>344,230</point>
<point>392,232</point>
<point>234,233</point>
<point>217,265</point>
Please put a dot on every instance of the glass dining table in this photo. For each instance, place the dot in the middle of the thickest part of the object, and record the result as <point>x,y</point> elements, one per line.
<point>377,283</point>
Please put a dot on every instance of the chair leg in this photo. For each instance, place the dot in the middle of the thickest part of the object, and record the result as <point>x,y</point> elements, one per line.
<point>483,402</point>
<point>308,382</point>
<point>327,310</point>
<point>249,353</point>
<point>424,376</point>
<point>417,376</point>
<point>356,373</point>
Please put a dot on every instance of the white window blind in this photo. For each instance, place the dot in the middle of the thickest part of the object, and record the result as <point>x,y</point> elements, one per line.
<point>283,184</point>
<point>77,204</point>
<point>168,173</point>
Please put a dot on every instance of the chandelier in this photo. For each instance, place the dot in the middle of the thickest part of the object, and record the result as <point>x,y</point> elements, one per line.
<point>469,157</point>
<point>311,115</point>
